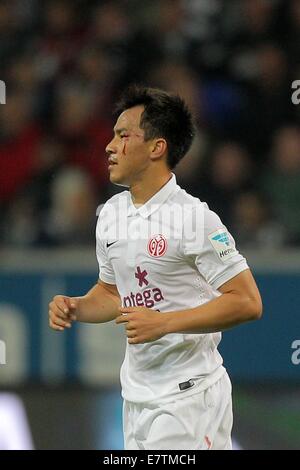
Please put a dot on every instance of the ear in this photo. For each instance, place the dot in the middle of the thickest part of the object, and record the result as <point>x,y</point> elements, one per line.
<point>158,149</point>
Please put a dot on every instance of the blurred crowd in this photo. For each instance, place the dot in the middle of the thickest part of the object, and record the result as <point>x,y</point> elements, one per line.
<point>65,62</point>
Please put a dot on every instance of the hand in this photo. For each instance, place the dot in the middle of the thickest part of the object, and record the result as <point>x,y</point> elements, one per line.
<point>62,311</point>
<point>142,324</point>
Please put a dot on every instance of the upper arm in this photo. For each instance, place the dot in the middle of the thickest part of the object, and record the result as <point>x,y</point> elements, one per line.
<point>243,284</point>
<point>244,287</point>
<point>110,288</point>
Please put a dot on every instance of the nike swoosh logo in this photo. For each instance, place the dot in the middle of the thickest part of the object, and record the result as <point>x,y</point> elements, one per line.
<point>109,244</point>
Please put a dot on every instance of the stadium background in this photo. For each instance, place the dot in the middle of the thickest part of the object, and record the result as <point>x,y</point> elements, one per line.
<point>64,63</point>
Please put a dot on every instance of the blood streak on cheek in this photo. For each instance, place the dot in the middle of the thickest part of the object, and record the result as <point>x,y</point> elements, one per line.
<point>125,146</point>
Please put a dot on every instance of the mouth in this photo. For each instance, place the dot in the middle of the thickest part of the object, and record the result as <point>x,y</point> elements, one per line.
<point>111,163</point>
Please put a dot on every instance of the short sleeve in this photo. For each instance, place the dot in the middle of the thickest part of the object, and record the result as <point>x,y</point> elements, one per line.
<point>106,272</point>
<point>212,246</point>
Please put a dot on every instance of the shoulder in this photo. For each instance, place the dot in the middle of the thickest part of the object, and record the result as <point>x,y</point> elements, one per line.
<point>112,205</point>
<point>193,209</point>
<point>114,201</point>
<point>109,212</point>
<point>184,198</point>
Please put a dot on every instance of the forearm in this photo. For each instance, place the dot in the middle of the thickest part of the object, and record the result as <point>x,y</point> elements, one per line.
<point>98,306</point>
<point>219,314</point>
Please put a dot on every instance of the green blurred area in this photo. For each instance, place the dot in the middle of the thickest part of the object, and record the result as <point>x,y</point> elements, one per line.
<point>267,416</point>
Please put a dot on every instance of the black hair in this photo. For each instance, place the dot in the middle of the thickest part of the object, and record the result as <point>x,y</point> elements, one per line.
<point>165,115</point>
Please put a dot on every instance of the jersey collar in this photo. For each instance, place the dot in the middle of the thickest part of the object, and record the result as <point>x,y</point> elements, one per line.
<point>155,202</point>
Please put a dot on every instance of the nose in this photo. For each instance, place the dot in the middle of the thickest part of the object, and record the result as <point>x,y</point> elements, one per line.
<point>110,148</point>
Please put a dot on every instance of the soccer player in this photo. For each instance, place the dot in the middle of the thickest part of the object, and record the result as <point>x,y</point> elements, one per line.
<point>171,275</point>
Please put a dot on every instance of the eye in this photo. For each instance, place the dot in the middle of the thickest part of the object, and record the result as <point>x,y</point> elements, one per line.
<point>124,135</point>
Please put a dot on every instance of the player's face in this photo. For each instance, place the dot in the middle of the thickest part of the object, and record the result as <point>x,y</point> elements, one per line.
<point>128,153</point>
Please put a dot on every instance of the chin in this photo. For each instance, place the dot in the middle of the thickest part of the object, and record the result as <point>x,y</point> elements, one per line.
<point>117,180</point>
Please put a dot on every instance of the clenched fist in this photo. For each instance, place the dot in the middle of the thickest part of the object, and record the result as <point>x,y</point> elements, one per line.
<point>62,311</point>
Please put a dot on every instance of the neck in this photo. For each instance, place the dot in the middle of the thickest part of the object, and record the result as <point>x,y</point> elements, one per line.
<point>143,190</point>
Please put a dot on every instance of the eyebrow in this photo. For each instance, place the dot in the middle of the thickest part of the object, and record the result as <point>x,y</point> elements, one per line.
<point>118,131</point>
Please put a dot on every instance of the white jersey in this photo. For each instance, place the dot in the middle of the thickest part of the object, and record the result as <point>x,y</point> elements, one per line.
<point>171,254</point>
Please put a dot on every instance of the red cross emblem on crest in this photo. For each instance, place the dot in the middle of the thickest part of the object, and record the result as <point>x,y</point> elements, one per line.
<point>157,246</point>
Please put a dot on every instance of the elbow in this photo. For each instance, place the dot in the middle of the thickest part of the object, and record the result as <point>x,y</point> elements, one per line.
<point>254,309</point>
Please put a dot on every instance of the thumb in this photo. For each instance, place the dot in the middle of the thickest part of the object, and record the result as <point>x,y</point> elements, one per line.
<point>72,302</point>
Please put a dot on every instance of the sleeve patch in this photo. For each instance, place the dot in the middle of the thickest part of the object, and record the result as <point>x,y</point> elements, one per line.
<point>222,244</point>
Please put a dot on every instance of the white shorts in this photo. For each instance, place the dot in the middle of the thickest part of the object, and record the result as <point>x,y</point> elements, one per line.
<point>198,422</point>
